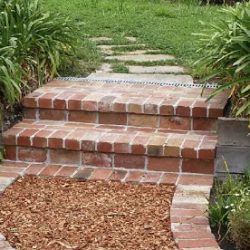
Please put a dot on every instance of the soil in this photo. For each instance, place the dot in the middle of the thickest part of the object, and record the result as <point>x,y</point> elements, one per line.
<point>55,213</point>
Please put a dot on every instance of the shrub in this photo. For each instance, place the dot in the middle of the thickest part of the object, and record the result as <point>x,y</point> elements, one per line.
<point>227,49</point>
<point>36,40</point>
<point>240,225</point>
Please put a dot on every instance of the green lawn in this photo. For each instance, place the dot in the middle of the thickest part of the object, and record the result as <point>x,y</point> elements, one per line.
<point>159,24</point>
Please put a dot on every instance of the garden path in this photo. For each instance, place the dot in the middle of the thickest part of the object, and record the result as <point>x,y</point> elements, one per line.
<point>150,125</point>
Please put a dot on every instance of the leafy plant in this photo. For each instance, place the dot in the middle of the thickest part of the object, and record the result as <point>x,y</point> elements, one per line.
<point>226,50</point>
<point>33,43</point>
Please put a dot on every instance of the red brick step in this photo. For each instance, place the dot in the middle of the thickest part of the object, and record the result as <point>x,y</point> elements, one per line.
<point>125,104</point>
<point>78,144</point>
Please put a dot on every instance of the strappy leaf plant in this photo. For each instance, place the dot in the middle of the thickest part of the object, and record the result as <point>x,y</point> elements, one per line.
<point>38,41</point>
<point>226,47</point>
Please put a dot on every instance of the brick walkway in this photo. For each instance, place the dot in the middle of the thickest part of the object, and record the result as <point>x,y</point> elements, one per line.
<point>130,132</point>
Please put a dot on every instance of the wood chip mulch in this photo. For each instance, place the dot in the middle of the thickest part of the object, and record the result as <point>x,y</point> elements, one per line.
<point>59,214</point>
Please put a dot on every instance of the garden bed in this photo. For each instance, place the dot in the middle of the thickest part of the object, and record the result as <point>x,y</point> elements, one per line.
<point>56,213</point>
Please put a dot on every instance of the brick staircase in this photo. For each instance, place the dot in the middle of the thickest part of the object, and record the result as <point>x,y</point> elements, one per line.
<point>119,126</point>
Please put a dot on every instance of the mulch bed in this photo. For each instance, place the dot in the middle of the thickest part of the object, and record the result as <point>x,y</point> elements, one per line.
<point>54,213</point>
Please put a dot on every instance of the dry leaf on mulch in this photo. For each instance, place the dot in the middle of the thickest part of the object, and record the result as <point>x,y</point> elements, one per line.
<point>59,214</point>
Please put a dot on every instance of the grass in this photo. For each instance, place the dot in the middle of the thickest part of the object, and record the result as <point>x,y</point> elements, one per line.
<point>119,68</point>
<point>164,25</point>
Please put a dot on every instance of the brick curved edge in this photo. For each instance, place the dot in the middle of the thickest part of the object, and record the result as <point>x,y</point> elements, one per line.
<point>188,213</point>
<point>189,221</point>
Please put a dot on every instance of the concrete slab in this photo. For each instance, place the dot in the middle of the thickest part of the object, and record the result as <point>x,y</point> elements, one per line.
<point>100,39</point>
<point>154,78</point>
<point>131,39</point>
<point>141,58</point>
<point>156,69</point>
<point>105,67</point>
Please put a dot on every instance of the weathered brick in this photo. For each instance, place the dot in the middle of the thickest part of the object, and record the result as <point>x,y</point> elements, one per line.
<point>83,173</point>
<point>163,164</point>
<point>182,123</point>
<point>75,101</point>
<point>24,138</point>
<point>118,175</point>
<point>197,243</point>
<point>52,114</point>
<point>142,120</point>
<point>198,166</point>
<point>169,178</point>
<point>139,145</point>
<point>105,104</point>
<point>129,161</point>
<point>97,159</point>
<point>184,107</point>
<point>204,124</point>
<point>83,116</point>
<point>100,174</point>
<point>41,138</point>
<point>9,137</point>
<point>56,139</point>
<point>61,156</point>
<point>151,177</point>
<point>156,145</point>
<point>134,176</point>
<point>50,170</point>
<point>113,118</point>
<point>32,154</point>
<point>66,171</point>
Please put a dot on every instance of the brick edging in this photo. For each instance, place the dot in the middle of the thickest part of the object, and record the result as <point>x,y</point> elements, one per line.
<point>188,214</point>
<point>189,222</point>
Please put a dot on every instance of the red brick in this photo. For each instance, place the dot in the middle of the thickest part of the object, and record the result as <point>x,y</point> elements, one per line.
<point>122,143</point>
<point>197,220</point>
<point>151,106</point>
<point>119,104</point>
<point>9,174</point>
<point>89,105</point>
<point>134,176</point>
<point>60,102</point>
<point>129,161</point>
<point>204,124</point>
<point>41,138</point>
<point>106,142</point>
<point>73,140</point>
<point>105,104</point>
<point>30,100</point>
<point>34,169</point>
<point>100,174</point>
<point>167,107</point>
<point>75,101</point>
<point>29,113</point>
<point>64,156</point>
<point>139,145</point>
<point>118,175</point>
<point>89,140</point>
<point>189,149</point>
<point>182,123</point>
<point>151,177</point>
<point>199,108</point>
<point>9,137</point>
<point>193,235</point>
<point>181,212</point>
<point>198,166</point>
<point>214,111</point>
<point>52,114</point>
<point>56,139</point>
<point>10,152</point>
<point>169,178</point>
<point>184,107</point>
<point>207,149</point>
<point>83,116</point>
<point>135,105</point>
<point>197,243</point>
<point>24,138</point>
<point>97,159</point>
<point>163,164</point>
<point>113,118</point>
<point>66,171</point>
<point>32,154</point>
<point>50,170</point>
<point>142,120</point>
<point>156,145</point>
<point>45,101</point>
<point>196,180</point>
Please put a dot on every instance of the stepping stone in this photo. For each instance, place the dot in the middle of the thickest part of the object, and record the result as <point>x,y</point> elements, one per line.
<point>131,39</point>
<point>106,49</point>
<point>155,78</point>
<point>139,52</point>
<point>105,67</point>
<point>141,58</point>
<point>155,69</point>
<point>100,39</point>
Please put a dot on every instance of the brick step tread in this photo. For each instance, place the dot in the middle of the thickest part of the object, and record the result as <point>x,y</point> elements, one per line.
<point>112,139</point>
<point>126,98</point>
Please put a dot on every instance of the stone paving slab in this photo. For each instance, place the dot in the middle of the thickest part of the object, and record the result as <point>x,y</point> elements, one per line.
<point>101,39</point>
<point>155,69</point>
<point>155,78</point>
<point>141,58</point>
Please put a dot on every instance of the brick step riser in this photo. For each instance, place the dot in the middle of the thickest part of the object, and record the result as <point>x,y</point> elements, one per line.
<point>109,160</point>
<point>130,119</point>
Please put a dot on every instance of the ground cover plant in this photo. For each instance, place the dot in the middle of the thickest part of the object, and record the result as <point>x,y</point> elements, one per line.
<point>229,213</point>
<point>159,24</point>
<point>58,214</point>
